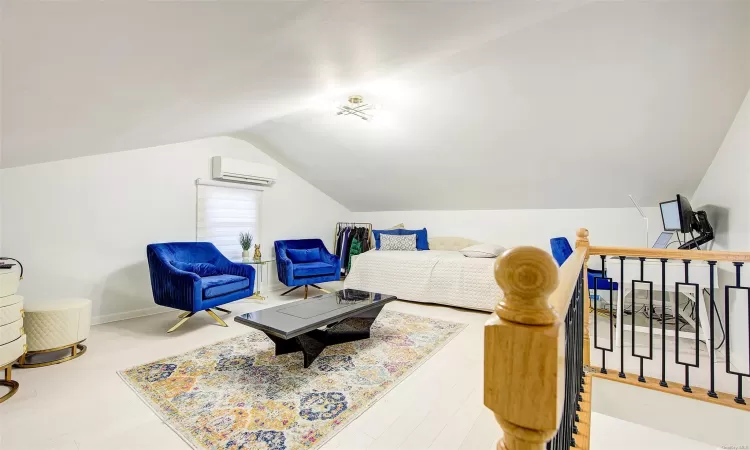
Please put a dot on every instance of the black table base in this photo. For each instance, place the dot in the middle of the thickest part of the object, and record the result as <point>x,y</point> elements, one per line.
<point>312,343</point>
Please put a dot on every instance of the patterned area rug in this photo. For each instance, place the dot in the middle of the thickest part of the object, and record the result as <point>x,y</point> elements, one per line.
<point>236,394</point>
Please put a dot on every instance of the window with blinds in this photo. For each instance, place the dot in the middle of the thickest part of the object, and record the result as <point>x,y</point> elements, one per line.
<point>223,213</point>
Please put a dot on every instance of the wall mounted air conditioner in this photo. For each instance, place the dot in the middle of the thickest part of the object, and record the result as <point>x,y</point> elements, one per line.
<point>239,171</point>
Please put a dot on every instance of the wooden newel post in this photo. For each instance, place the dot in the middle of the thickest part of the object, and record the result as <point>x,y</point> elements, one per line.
<point>524,351</point>
<point>583,241</point>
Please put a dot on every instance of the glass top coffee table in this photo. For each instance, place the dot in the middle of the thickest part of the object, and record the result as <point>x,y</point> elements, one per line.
<point>313,324</point>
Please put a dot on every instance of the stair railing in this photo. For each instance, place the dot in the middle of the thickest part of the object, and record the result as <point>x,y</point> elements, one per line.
<point>682,293</point>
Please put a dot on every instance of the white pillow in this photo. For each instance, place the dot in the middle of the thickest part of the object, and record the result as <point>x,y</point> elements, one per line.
<point>483,251</point>
<point>405,242</point>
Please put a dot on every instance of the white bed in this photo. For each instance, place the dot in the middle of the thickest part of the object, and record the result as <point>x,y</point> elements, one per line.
<point>441,276</point>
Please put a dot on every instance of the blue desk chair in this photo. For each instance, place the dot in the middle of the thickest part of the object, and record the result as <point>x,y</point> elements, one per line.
<point>561,250</point>
<point>195,276</point>
<point>305,262</point>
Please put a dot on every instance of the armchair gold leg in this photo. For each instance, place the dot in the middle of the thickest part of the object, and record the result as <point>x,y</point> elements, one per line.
<point>185,314</point>
<point>318,287</point>
<point>306,288</point>
<point>183,319</point>
<point>216,318</point>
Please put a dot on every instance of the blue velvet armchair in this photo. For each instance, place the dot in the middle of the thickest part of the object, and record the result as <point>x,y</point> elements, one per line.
<point>561,250</point>
<point>305,262</point>
<point>195,276</point>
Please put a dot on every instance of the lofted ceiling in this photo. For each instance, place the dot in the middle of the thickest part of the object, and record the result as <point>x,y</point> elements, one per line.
<point>485,105</point>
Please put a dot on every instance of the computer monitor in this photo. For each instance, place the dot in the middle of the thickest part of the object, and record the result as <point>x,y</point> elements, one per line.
<point>687,218</point>
<point>678,215</point>
<point>670,215</point>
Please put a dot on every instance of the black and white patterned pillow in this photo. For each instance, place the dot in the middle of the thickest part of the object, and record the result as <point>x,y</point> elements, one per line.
<point>406,242</point>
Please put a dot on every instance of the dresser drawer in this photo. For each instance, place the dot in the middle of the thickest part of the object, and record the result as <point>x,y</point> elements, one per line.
<point>11,313</point>
<point>9,281</point>
<point>11,351</point>
<point>10,300</point>
<point>11,331</point>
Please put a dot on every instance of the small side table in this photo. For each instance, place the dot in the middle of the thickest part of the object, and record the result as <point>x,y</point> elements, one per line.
<point>259,266</point>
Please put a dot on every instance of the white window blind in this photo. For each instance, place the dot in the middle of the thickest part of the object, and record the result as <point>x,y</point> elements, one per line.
<point>223,213</point>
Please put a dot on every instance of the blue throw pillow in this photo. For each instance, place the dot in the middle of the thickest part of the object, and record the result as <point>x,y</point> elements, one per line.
<point>200,269</point>
<point>305,255</point>
<point>422,243</point>
<point>376,234</point>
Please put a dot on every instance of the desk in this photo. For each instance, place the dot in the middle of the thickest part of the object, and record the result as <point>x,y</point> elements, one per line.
<point>698,272</point>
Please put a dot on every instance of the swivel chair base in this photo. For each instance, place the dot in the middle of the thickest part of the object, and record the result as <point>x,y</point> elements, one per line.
<point>186,315</point>
<point>306,289</point>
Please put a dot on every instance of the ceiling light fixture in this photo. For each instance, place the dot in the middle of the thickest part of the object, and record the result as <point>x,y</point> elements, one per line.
<point>356,106</point>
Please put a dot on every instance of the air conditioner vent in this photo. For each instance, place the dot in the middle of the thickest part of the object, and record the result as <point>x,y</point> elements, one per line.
<point>239,171</point>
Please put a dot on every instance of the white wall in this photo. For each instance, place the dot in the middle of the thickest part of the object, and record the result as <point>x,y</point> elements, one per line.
<point>725,188</point>
<point>81,226</point>
<point>724,193</point>
<point>608,226</point>
<point>717,425</point>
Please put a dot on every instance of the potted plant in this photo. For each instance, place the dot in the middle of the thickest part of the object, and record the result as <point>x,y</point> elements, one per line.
<point>246,241</point>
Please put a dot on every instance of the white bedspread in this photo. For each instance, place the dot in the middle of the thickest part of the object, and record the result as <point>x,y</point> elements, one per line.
<point>443,277</point>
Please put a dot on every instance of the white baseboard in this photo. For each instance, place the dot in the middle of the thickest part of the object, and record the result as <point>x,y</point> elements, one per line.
<point>125,315</point>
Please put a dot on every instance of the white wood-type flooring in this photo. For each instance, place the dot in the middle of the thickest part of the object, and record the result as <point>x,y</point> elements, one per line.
<point>83,404</point>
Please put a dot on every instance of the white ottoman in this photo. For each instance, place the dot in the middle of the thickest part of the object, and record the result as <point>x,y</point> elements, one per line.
<point>55,326</point>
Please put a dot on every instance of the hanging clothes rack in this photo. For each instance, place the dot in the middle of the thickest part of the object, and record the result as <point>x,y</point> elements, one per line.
<point>342,251</point>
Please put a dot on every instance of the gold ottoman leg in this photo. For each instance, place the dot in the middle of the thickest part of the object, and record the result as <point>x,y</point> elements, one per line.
<point>76,350</point>
<point>7,382</point>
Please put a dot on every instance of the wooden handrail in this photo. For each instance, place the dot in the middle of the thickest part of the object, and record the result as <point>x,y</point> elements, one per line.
<point>524,349</point>
<point>658,253</point>
<point>569,273</point>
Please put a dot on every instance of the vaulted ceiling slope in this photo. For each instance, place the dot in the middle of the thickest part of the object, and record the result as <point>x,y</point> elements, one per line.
<point>485,105</point>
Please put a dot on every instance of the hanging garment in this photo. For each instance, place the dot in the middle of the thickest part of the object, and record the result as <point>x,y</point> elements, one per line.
<point>343,234</point>
<point>366,240</point>
<point>339,241</point>
<point>345,249</point>
<point>355,249</point>
<point>355,234</point>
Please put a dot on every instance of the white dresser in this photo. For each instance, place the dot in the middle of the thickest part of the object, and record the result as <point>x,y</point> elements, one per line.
<point>12,336</point>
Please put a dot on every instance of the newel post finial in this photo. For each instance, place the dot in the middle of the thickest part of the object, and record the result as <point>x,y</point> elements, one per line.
<point>527,276</point>
<point>582,238</point>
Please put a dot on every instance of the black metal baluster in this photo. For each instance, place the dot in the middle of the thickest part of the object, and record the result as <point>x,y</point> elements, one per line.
<point>596,318</point>
<point>610,348</point>
<point>573,384</point>
<point>583,314</point>
<point>564,438</point>
<point>739,398</point>
<point>573,373</point>
<point>641,378</point>
<point>663,381</point>
<point>621,313</point>
<point>568,371</point>
<point>738,266</point>
<point>711,267</point>
<point>686,386</point>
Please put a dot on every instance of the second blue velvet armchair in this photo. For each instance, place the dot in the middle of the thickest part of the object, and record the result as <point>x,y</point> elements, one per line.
<point>305,262</point>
